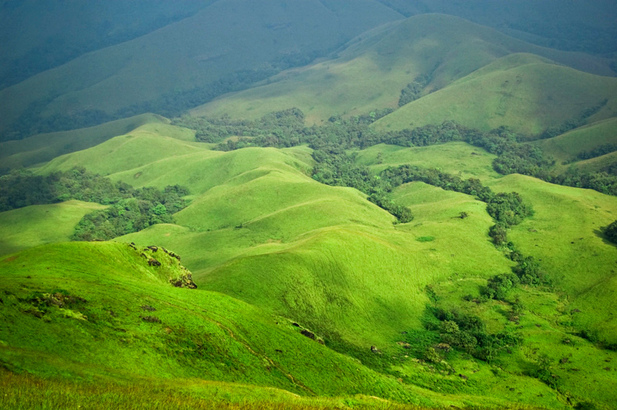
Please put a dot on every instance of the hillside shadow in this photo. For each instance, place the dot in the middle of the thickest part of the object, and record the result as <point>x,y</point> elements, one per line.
<point>600,234</point>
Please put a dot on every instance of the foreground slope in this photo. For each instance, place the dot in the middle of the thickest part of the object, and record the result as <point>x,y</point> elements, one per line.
<point>371,72</point>
<point>71,324</point>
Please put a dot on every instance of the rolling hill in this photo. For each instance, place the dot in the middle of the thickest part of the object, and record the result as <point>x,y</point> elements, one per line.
<point>264,287</point>
<point>260,231</point>
<point>518,91</point>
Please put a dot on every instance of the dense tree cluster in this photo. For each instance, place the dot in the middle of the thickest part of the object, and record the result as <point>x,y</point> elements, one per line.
<point>333,166</point>
<point>146,207</point>
<point>468,333</point>
<point>597,151</point>
<point>22,188</point>
<point>130,209</point>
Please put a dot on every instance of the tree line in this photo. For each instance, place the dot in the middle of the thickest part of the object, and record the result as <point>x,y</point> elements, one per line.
<point>130,210</point>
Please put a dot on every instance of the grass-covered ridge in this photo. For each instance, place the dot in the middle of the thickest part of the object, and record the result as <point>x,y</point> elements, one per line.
<point>524,93</point>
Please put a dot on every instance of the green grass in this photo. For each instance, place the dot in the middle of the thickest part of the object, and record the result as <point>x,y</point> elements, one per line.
<point>222,339</point>
<point>565,235</point>
<point>267,244</point>
<point>62,323</point>
<point>456,158</point>
<point>39,224</point>
<point>524,93</point>
<point>565,147</point>
<point>45,147</point>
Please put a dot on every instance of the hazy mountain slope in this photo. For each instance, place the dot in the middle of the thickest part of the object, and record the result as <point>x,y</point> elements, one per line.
<point>229,44</point>
<point>518,91</point>
<point>586,25</point>
<point>371,72</point>
<point>37,36</point>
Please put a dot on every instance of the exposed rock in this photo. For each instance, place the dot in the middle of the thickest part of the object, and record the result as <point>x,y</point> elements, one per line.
<point>153,262</point>
<point>184,281</point>
<point>375,350</point>
<point>404,345</point>
<point>153,248</point>
<point>148,308</point>
<point>308,334</point>
<point>151,319</point>
<point>443,346</point>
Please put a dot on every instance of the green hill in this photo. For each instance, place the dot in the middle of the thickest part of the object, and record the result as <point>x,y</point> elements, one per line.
<point>266,243</point>
<point>45,147</point>
<point>148,330</point>
<point>565,235</point>
<point>566,147</point>
<point>371,72</point>
<point>39,224</point>
<point>522,92</point>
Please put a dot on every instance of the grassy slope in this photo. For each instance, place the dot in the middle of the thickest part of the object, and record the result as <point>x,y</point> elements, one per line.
<point>39,224</point>
<point>260,230</point>
<point>374,68</point>
<point>523,92</point>
<point>45,147</point>
<point>192,53</point>
<point>565,147</point>
<point>456,158</point>
<point>565,235</point>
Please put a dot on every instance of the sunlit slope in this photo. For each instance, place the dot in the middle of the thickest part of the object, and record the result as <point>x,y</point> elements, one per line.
<point>373,70</point>
<point>255,210</point>
<point>567,146</point>
<point>144,145</point>
<point>565,236</point>
<point>229,43</point>
<point>519,91</point>
<point>44,147</point>
<point>456,158</point>
<point>39,224</point>
<point>70,324</point>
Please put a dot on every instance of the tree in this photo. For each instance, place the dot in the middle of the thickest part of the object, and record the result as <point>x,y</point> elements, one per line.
<point>610,232</point>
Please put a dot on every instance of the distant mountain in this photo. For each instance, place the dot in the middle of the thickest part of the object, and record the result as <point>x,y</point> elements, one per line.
<point>429,51</point>
<point>575,25</point>
<point>520,91</point>
<point>225,46</point>
<point>37,36</point>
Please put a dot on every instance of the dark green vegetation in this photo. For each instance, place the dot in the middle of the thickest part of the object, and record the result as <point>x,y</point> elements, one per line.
<point>418,233</point>
<point>130,210</point>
